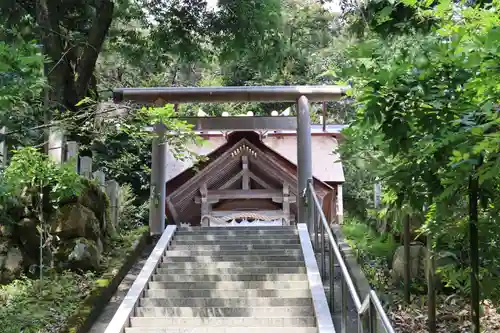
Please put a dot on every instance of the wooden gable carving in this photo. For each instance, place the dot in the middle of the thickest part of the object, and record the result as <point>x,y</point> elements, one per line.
<point>241,173</point>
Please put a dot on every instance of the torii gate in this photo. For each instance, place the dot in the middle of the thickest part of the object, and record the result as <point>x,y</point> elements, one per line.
<point>301,95</point>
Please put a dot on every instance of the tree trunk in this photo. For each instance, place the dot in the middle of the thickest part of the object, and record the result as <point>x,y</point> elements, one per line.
<point>70,68</point>
<point>474,253</point>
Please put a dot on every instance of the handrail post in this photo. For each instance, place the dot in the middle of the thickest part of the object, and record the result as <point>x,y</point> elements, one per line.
<point>310,209</point>
<point>332,277</point>
<point>322,249</point>
<point>370,312</point>
<point>343,307</point>
<point>372,318</point>
<point>304,157</point>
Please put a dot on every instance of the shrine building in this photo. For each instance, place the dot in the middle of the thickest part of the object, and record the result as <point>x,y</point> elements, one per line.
<point>250,177</point>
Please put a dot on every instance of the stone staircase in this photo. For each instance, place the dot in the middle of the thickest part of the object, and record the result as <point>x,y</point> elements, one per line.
<point>228,280</point>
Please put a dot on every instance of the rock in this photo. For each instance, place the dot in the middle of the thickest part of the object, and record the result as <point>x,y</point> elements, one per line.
<point>11,264</point>
<point>418,263</point>
<point>28,236</point>
<point>13,260</point>
<point>96,200</point>
<point>110,228</point>
<point>80,253</point>
<point>75,220</point>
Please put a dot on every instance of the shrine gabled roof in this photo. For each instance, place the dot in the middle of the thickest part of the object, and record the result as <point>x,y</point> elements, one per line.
<point>219,165</point>
<point>326,162</point>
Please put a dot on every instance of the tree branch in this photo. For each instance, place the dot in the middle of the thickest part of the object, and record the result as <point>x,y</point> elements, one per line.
<point>96,37</point>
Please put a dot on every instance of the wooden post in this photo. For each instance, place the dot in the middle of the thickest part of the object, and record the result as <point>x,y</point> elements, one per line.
<point>56,145</point>
<point>86,167</point>
<point>72,154</point>
<point>333,208</point>
<point>205,205</point>
<point>245,180</point>
<point>4,149</point>
<point>112,189</point>
<point>340,204</point>
<point>323,117</point>
<point>286,201</point>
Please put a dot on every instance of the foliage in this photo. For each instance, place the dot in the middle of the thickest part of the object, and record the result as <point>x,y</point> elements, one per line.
<point>124,241</point>
<point>385,17</point>
<point>71,33</point>
<point>32,179</point>
<point>366,241</point>
<point>21,83</point>
<point>129,215</point>
<point>26,305</point>
<point>265,42</point>
<point>21,78</point>
<point>36,186</point>
<point>30,306</point>
<point>373,250</point>
<point>251,25</point>
<point>122,148</point>
<point>427,120</point>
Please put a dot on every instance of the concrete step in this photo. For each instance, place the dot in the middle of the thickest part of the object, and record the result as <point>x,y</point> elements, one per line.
<point>228,277</point>
<point>220,293</point>
<point>230,285</point>
<point>226,302</point>
<point>207,312</point>
<point>210,264</point>
<point>234,247</point>
<point>240,241</point>
<point>234,258</point>
<point>186,322</point>
<point>234,270</point>
<point>210,252</point>
<point>205,329</point>
<point>222,237</point>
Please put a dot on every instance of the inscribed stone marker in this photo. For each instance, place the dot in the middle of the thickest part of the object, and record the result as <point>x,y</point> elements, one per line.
<point>86,167</point>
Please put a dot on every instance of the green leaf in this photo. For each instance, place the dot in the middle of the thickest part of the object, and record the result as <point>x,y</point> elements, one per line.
<point>477,131</point>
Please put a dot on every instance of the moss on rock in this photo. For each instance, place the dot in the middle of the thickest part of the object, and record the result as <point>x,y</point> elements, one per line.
<point>75,220</point>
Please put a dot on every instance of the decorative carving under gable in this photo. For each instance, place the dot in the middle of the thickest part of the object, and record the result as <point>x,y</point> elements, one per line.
<point>245,219</point>
<point>245,223</point>
<point>243,148</point>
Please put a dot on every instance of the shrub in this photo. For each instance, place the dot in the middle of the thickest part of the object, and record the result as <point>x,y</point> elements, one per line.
<point>367,242</point>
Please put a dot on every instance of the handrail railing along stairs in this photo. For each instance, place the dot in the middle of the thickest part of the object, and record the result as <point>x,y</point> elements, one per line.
<point>370,310</point>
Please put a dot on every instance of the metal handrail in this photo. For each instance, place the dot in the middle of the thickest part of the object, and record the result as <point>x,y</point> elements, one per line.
<point>371,309</point>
